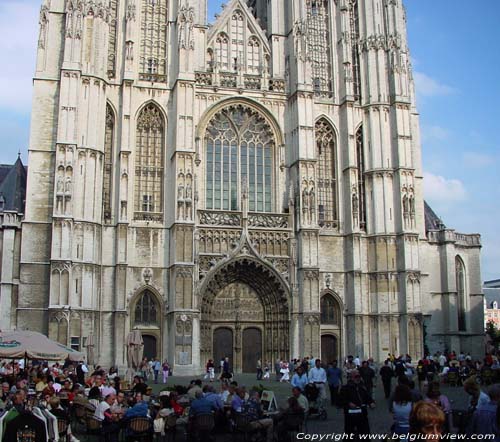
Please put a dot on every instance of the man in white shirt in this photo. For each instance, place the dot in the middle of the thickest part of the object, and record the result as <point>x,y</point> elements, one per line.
<point>317,376</point>
<point>357,361</point>
<point>103,408</point>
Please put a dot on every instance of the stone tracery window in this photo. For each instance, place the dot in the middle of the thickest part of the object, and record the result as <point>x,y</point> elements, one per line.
<point>327,176</point>
<point>222,51</point>
<point>461,293</point>
<point>149,164</point>
<point>153,65</point>
<point>146,310</point>
<point>253,56</point>
<point>108,162</point>
<point>360,165</point>
<point>239,150</point>
<point>355,35</point>
<point>318,35</point>
<point>113,28</point>
<point>330,312</point>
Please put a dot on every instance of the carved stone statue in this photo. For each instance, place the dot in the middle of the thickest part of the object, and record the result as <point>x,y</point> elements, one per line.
<point>60,184</point>
<point>69,186</point>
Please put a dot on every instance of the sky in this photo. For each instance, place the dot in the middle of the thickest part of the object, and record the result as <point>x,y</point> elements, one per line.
<point>456,64</point>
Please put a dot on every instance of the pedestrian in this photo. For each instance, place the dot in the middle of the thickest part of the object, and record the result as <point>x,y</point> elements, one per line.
<point>334,378</point>
<point>427,419</point>
<point>277,369</point>
<point>401,410</point>
<point>367,374</point>
<point>485,420</point>
<point>386,374</point>
<point>267,371</point>
<point>285,372</point>
<point>221,365</point>
<point>435,397</point>
<point>259,369</point>
<point>300,379</point>
<point>356,400</point>
<point>210,370</point>
<point>165,369</point>
<point>421,373</point>
<point>317,376</point>
<point>156,369</point>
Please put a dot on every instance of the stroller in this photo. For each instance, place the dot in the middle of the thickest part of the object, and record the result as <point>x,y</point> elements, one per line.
<point>316,405</point>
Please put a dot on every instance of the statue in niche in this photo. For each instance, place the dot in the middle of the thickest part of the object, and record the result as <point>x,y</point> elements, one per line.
<point>60,184</point>
<point>312,201</point>
<point>69,186</point>
<point>180,201</point>
<point>189,200</point>
<point>405,205</point>
<point>355,207</point>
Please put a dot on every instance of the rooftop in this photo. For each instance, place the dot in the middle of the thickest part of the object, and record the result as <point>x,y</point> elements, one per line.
<point>13,186</point>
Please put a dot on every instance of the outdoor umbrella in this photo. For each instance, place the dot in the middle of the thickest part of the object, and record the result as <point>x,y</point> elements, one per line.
<point>90,349</point>
<point>34,345</point>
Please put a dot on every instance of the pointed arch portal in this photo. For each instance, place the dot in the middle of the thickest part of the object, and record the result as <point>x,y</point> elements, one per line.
<point>248,298</point>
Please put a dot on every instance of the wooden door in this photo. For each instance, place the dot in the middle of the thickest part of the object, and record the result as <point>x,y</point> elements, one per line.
<point>329,351</point>
<point>223,346</point>
<point>149,346</point>
<point>252,349</point>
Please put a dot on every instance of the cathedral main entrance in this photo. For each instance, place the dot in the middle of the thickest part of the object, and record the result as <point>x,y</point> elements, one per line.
<point>244,317</point>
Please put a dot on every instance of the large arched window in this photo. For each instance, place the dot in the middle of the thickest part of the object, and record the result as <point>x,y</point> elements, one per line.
<point>360,166</point>
<point>146,310</point>
<point>108,162</point>
<point>149,164</point>
<point>461,293</point>
<point>239,153</point>
<point>318,36</point>
<point>327,176</point>
<point>330,311</point>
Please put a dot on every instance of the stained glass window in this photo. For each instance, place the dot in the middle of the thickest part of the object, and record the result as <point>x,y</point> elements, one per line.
<point>327,177</point>
<point>239,149</point>
<point>149,164</point>
<point>329,310</point>
<point>146,310</point>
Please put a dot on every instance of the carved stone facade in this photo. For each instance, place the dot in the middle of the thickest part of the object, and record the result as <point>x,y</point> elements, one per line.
<point>219,183</point>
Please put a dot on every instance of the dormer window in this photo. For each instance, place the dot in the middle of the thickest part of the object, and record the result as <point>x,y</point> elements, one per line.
<point>2,202</point>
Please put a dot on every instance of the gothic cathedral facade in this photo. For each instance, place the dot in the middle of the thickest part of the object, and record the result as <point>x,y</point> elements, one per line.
<point>250,188</point>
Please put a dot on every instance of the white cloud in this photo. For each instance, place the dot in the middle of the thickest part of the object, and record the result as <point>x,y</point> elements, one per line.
<point>18,38</point>
<point>443,190</point>
<point>478,159</point>
<point>434,133</point>
<point>429,87</point>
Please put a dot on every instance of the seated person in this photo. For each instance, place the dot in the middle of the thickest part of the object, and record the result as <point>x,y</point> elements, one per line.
<point>194,387</point>
<point>211,396</point>
<point>257,421</point>
<point>140,409</point>
<point>301,399</point>
<point>201,405</point>
<point>139,386</point>
<point>291,419</point>
<point>238,400</point>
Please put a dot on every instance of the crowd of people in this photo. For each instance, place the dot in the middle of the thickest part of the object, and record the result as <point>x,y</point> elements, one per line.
<point>63,401</point>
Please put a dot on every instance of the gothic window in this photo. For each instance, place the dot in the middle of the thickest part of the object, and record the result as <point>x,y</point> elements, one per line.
<point>112,38</point>
<point>360,166</point>
<point>354,28</point>
<point>319,46</point>
<point>149,164</point>
<point>239,153</point>
<point>327,176</point>
<point>108,161</point>
<point>237,40</point>
<point>253,56</point>
<point>153,64</point>
<point>330,312</point>
<point>222,52</point>
<point>461,293</point>
<point>146,310</point>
